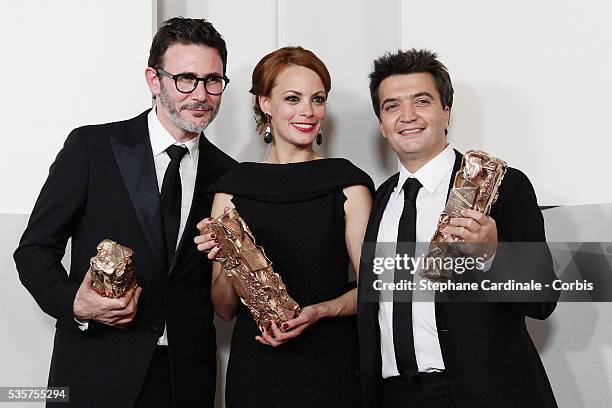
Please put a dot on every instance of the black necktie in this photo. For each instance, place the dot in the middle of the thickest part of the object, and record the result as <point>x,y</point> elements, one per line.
<point>171,198</point>
<point>402,300</point>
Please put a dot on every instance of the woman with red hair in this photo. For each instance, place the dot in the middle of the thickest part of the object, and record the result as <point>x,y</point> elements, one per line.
<point>310,215</point>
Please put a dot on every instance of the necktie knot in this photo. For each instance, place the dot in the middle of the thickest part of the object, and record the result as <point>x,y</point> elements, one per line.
<point>176,152</point>
<point>411,189</point>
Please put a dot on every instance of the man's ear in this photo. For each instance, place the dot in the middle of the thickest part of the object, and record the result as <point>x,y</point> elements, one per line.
<point>447,111</point>
<point>152,81</point>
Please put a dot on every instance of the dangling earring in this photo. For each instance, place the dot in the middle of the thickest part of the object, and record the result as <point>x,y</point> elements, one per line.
<point>320,138</point>
<point>268,132</point>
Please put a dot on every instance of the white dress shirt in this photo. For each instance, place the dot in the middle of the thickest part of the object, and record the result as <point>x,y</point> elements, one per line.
<point>161,139</point>
<point>431,200</point>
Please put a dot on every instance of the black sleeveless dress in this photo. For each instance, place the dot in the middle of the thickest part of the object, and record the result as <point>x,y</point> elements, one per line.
<point>296,213</point>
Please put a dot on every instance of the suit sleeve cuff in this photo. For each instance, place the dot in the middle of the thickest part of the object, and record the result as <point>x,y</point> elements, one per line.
<point>82,324</point>
<point>487,264</point>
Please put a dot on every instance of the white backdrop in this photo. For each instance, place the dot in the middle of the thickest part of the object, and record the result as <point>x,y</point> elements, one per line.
<point>531,78</point>
<point>65,64</point>
<point>531,81</point>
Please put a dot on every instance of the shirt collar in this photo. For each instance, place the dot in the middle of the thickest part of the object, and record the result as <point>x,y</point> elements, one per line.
<point>431,174</point>
<point>161,139</point>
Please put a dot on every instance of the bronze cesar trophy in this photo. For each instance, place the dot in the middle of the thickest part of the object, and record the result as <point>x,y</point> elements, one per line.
<point>475,187</point>
<point>250,271</point>
<point>112,269</point>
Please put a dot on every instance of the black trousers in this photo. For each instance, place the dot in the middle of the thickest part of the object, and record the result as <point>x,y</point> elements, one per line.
<point>425,390</point>
<point>157,389</point>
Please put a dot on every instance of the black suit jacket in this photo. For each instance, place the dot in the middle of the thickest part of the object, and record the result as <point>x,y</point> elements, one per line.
<point>103,185</point>
<point>489,358</point>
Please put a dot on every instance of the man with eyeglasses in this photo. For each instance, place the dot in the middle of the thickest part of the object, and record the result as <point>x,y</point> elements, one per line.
<point>140,182</point>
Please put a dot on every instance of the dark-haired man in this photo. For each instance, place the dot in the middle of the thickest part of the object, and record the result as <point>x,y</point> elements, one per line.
<point>139,182</point>
<point>429,353</point>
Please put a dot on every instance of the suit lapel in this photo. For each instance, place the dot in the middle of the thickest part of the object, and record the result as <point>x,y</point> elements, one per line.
<point>456,166</point>
<point>208,171</point>
<point>371,236</point>
<point>378,208</point>
<point>368,305</point>
<point>134,157</point>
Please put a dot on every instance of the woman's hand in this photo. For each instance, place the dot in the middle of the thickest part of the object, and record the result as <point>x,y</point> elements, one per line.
<point>357,209</point>
<point>290,329</point>
<point>207,242</point>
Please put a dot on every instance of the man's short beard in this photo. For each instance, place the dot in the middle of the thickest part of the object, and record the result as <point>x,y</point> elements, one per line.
<point>175,116</point>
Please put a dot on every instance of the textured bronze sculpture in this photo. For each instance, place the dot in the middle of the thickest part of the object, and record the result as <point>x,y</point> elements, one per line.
<point>112,269</point>
<point>250,270</point>
<point>475,187</point>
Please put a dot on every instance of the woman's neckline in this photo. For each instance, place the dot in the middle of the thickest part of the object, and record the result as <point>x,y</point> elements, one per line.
<point>320,159</point>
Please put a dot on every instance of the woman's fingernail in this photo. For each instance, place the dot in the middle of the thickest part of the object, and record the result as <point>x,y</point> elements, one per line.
<point>285,326</point>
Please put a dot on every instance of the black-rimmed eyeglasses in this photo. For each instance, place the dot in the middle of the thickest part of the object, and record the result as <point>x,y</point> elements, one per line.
<point>187,83</point>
